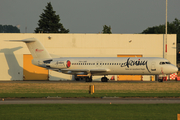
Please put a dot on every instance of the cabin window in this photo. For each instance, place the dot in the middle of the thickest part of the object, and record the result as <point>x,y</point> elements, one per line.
<point>109,63</point>
<point>114,63</point>
<point>93,63</point>
<point>85,63</point>
<point>162,63</point>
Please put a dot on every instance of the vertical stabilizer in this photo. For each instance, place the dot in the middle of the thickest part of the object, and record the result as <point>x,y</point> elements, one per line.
<point>36,48</point>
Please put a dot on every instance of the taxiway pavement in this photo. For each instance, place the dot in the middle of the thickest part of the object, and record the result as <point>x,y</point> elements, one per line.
<point>93,101</point>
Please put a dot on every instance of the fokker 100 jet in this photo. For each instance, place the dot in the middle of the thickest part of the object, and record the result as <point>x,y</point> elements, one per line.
<point>93,66</point>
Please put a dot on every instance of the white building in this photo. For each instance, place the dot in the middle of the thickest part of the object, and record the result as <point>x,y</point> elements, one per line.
<point>15,58</point>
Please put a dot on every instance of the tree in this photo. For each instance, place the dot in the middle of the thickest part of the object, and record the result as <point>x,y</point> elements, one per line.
<point>106,29</point>
<point>50,22</point>
<point>9,29</point>
<point>173,28</point>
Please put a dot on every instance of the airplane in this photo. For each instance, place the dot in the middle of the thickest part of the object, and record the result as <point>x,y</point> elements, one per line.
<point>94,66</point>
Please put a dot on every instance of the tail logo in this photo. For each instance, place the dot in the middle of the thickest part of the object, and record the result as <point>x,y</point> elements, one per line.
<point>39,50</point>
<point>68,63</point>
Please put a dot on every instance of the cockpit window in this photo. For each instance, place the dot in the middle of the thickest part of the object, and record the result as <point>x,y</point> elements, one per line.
<point>163,63</point>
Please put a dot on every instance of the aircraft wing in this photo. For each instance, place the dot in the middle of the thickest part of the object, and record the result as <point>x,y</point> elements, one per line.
<point>83,71</point>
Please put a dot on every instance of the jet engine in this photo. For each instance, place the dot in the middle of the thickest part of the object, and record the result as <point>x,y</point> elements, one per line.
<point>58,64</point>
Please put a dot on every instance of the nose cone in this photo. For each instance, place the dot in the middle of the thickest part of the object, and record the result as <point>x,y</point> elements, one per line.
<point>170,69</point>
<point>174,69</point>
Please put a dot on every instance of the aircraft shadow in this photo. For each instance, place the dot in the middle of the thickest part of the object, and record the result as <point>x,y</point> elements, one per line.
<point>15,70</point>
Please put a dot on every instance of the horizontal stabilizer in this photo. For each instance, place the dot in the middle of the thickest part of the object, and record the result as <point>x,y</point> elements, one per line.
<point>25,40</point>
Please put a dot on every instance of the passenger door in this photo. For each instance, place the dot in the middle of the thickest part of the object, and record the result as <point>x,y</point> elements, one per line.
<point>153,67</point>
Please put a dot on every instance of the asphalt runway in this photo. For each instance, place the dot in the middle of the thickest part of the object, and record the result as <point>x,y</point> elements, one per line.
<point>93,101</point>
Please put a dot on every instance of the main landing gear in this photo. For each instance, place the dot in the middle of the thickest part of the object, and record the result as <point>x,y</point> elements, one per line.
<point>88,79</point>
<point>83,78</point>
<point>104,79</point>
<point>160,80</point>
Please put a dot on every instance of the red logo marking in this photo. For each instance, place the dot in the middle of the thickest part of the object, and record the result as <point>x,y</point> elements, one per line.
<point>68,63</point>
<point>39,50</point>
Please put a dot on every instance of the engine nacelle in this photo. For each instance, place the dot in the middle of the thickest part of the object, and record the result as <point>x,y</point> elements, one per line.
<point>57,64</point>
<point>60,64</point>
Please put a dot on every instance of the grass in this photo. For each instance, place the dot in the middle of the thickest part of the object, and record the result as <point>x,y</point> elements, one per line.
<point>76,89</point>
<point>91,111</point>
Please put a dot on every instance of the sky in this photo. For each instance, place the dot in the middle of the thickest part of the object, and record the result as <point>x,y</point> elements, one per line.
<point>89,16</point>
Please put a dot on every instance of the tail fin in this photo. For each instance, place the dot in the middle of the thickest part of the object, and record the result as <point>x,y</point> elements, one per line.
<point>35,47</point>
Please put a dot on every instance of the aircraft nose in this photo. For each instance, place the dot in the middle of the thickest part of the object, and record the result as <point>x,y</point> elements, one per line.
<point>174,69</point>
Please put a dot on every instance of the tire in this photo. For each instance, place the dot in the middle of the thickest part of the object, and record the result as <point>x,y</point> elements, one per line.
<point>88,80</point>
<point>160,80</point>
<point>77,79</point>
<point>104,79</point>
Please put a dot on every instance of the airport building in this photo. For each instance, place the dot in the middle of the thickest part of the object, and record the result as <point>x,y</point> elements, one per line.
<point>15,58</point>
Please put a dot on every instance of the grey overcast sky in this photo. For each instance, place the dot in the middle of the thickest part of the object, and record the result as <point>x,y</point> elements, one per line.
<point>89,16</point>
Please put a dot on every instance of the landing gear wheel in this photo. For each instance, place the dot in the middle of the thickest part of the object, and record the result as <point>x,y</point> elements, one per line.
<point>160,80</point>
<point>77,79</point>
<point>104,79</point>
<point>88,79</point>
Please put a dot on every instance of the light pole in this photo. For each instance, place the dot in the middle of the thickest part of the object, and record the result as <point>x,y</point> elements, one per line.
<point>166,33</point>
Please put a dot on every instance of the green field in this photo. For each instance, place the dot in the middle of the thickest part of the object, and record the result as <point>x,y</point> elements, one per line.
<point>77,89</point>
<point>90,112</point>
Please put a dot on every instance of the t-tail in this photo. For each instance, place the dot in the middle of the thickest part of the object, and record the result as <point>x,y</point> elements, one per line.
<point>36,48</point>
